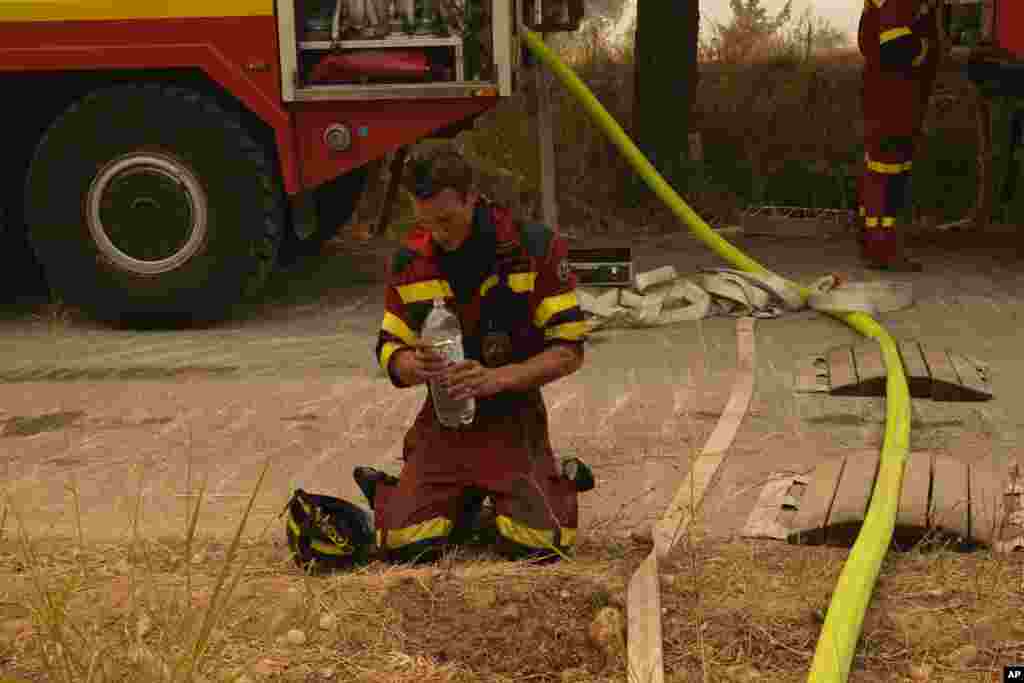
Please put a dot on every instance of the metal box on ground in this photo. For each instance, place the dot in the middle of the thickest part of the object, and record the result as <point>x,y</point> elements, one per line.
<point>602,267</point>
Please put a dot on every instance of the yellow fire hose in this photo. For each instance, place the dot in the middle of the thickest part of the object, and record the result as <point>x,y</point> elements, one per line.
<point>839,635</point>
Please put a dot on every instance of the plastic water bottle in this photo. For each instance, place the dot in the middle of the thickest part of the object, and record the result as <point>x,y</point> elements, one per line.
<point>441,329</point>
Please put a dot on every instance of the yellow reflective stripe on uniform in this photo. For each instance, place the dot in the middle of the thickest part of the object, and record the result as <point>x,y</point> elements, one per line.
<point>888,221</point>
<point>862,212</point>
<point>330,548</point>
<point>438,527</point>
<point>573,331</point>
<point>889,169</point>
<point>424,291</point>
<point>394,325</point>
<point>488,283</point>
<point>918,60</point>
<point>525,535</point>
<point>522,282</point>
<point>871,221</point>
<point>554,305</point>
<point>293,525</point>
<point>893,34</point>
<point>386,352</point>
<point>568,537</point>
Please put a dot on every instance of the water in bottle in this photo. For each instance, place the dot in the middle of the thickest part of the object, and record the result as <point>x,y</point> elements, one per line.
<point>442,330</point>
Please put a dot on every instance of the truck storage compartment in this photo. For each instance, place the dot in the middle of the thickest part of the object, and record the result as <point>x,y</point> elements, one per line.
<point>388,49</point>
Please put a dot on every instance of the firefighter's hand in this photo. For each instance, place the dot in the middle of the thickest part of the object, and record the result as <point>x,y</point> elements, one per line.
<point>469,379</point>
<point>420,364</point>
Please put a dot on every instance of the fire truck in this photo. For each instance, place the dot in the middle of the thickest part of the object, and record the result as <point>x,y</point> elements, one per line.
<point>165,156</point>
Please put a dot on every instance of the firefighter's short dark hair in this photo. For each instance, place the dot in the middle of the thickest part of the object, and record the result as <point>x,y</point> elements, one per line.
<point>429,172</point>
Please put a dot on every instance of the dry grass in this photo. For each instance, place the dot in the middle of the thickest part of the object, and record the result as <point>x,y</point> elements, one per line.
<point>207,609</point>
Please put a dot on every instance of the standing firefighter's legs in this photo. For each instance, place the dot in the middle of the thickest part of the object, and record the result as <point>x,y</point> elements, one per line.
<point>892,103</point>
<point>898,39</point>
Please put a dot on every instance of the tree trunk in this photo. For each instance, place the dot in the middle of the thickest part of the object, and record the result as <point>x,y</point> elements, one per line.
<point>983,125</point>
<point>665,84</point>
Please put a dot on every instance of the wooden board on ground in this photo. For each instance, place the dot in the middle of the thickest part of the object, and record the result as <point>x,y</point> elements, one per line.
<point>949,504</point>
<point>842,371</point>
<point>944,377</point>
<point>912,515</point>
<point>974,381</point>
<point>852,496</point>
<point>870,369</point>
<point>987,509</point>
<point>811,518</point>
<point>918,380</point>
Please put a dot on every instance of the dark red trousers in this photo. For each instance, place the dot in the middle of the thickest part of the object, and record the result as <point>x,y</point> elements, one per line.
<point>507,454</point>
<point>895,102</point>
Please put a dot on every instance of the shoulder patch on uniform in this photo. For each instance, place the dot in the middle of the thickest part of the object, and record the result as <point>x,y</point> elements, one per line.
<point>536,239</point>
<point>402,259</point>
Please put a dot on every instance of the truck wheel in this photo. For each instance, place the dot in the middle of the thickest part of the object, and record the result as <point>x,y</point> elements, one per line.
<point>147,199</point>
<point>334,202</point>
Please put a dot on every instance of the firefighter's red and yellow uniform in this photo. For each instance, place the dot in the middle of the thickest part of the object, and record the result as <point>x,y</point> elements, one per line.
<point>899,41</point>
<point>514,295</point>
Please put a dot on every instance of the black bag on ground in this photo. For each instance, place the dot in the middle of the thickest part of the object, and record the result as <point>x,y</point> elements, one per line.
<point>327,534</point>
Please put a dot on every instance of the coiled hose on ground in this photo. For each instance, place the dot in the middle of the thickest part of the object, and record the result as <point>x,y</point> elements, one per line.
<point>844,619</point>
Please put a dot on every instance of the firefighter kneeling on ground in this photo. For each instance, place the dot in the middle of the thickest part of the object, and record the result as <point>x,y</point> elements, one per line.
<point>514,293</point>
<point>899,42</point>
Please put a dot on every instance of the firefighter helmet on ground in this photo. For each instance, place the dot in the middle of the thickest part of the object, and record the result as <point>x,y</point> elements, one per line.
<point>326,533</point>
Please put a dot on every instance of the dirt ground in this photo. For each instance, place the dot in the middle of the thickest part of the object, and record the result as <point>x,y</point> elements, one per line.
<point>297,383</point>
<point>294,382</point>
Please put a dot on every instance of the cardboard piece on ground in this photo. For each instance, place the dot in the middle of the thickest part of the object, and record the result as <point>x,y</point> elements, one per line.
<point>811,376</point>
<point>842,371</point>
<point>763,520</point>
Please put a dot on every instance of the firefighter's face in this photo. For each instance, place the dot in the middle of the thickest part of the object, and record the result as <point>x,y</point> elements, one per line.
<point>448,216</point>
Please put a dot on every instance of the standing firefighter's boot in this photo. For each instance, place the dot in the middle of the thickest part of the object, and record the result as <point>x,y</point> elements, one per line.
<point>883,248</point>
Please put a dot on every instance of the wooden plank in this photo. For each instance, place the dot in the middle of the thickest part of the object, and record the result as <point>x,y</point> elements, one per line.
<point>842,373</point>
<point>852,495</point>
<point>986,509</point>
<point>950,502</point>
<point>918,380</point>
<point>870,369</point>
<point>811,375</point>
<point>810,520</point>
<point>912,514</point>
<point>945,381</point>
<point>974,382</point>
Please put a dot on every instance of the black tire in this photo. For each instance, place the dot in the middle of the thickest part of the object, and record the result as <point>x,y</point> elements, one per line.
<point>185,147</point>
<point>21,276</point>
<point>335,202</point>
